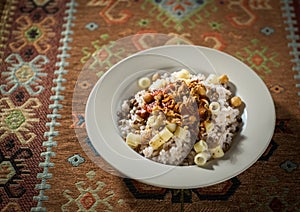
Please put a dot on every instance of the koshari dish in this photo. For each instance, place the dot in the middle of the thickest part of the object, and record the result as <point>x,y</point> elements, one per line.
<point>181,119</point>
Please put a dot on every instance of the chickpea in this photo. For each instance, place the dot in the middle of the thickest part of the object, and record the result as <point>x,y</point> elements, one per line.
<point>148,98</point>
<point>223,79</point>
<point>155,77</point>
<point>235,101</point>
<point>202,90</point>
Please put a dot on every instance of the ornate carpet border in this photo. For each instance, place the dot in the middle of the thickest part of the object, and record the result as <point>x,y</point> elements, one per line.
<point>60,71</point>
<point>290,14</point>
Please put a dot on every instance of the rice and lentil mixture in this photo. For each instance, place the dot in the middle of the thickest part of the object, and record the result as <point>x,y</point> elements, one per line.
<point>181,119</point>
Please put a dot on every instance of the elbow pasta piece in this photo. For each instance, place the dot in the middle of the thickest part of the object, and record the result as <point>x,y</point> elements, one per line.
<point>208,126</point>
<point>144,82</point>
<point>214,107</point>
<point>165,134</point>
<point>159,139</point>
<point>217,152</point>
<point>181,132</point>
<point>133,140</point>
<point>200,146</point>
<point>171,126</point>
<point>156,142</point>
<point>201,158</point>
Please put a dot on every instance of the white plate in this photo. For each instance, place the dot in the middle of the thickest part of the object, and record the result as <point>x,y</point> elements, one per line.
<point>258,117</point>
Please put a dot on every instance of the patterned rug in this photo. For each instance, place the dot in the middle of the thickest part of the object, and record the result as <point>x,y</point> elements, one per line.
<point>44,45</point>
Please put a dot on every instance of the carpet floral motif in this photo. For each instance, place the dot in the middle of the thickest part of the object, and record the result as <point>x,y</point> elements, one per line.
<point>36,34</point>
<point>259,57</point>
<point>92,196</point>
<point>179,15</point>
<point>24,74</point>
<point>19,120</point>
<point>104,56</point>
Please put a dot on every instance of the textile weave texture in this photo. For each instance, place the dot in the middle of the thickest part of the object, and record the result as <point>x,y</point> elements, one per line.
<point>44,46</point>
